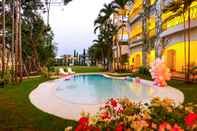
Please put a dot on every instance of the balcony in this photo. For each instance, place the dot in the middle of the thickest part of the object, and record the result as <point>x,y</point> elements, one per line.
<point>179,20</point>
<point>123,38</point>
<point>135,10</point>
<point>178,28</point>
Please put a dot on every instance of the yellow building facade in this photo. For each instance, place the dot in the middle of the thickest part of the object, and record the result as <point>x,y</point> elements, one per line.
<point>175,51</point>
<point>178,50</point>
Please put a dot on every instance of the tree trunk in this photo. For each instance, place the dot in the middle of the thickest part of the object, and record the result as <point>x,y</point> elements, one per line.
<point>13,37</point>
<point>17,42</point>
<point>158,42</point>
<point>189,36</point>
<point>117,55</point>
<point>145,34</point>
<point>185,50</point>
<point>3,44</point>
<point>20,45</point>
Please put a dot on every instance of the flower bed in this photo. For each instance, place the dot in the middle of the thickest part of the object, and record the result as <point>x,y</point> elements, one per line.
<point>125,115</point>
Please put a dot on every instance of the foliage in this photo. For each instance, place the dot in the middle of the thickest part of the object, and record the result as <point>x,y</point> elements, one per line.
<point>37,47</point>
<point>144,70</point>
<point>45,72</point>
<point>101,50</point>
<point>123,114</point>
<point>51,69</point>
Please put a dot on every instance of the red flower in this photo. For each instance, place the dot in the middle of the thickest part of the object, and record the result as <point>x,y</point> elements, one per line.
<point>83,124</point>
<point>119,127</point>
<point>113,103</point>
<point>190,119</point>
<point>83,121</point>
<point>163,126</point>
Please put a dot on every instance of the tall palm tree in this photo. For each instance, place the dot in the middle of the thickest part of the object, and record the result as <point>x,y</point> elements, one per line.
<point>104,16</point>
<point>145,30</point>
<point>120,5</point>
<point>105,26</point>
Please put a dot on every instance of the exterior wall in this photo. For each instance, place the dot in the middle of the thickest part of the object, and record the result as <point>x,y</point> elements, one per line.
<point>124,49</point>
<point>172,36</point>
<point>135,58</point>
<point>177,59</point>
<point>179,37</point>
<point>151,57</point>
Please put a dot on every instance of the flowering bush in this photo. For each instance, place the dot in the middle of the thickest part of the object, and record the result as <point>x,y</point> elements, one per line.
<point>125,115</point>
<point>160,72</point>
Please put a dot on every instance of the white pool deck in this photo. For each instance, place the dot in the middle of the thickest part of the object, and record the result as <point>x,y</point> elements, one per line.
<point>44,98</point>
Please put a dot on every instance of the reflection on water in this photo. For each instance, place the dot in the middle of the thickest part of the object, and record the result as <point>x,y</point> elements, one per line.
<point>94,89</point>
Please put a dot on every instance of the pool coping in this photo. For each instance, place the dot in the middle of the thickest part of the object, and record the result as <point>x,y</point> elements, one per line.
<point>43,97</point>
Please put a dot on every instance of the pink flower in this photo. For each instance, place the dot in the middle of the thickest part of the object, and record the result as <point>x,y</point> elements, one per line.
<point>105,115</point>
<point>190,119</point>
<point>118,108</point>
<point>176,127</point>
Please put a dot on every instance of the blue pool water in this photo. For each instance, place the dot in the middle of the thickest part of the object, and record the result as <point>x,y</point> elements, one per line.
<point>95,89</point>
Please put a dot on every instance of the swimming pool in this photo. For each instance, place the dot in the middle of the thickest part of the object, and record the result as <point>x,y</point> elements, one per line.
<point>95,89</point>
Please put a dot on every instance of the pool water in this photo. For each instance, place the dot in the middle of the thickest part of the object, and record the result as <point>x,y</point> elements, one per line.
<point>95,89</point>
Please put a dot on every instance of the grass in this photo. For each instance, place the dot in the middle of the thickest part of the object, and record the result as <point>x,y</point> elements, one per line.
<point>189,90</point>
<point>83,69</point>
<point>18,114</point>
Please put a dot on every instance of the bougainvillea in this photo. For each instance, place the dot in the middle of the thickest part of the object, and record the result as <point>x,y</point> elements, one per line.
<point>125,115</point>
<point>160,72</point>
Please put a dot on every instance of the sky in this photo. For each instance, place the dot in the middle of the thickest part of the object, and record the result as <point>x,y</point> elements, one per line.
<point>73,24</point>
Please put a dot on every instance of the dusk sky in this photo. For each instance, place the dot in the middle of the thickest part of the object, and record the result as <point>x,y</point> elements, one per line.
<point>73,24</point>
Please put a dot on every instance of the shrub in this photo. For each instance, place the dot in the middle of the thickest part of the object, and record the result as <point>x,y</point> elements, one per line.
<point>123,114</point>
<point>144,70</point>
<point>45,72</point>
<point>51,69</point>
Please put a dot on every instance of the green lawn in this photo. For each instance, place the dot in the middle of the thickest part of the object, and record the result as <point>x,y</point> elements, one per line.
<point>83,69</point>
<point>189,90</point>
<point>18,114</point>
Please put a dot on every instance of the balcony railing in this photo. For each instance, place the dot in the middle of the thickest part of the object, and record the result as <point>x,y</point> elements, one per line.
<point>135,13</point>
<point>179,19</point>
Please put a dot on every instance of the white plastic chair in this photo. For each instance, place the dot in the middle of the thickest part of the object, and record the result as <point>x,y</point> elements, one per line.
<point>62,72</point>
<point>70,70</point>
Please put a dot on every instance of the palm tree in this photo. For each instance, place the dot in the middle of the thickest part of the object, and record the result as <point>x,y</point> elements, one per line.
<point>120,5</point>
<point>158,13</point>
<point>145,34</point>
<point>104,16</point>
<point>106,28</point>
